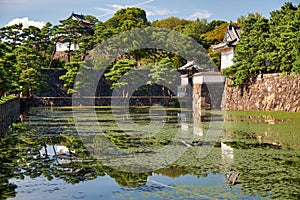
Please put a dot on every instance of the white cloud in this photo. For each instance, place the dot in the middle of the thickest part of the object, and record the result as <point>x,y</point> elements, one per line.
<point>26,22</point>
<point>202,14</point>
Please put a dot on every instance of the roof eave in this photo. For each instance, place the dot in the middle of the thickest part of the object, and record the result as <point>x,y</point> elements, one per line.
<point>219,46</point>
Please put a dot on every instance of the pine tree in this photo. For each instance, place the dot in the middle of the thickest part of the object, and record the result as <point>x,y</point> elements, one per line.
<point>162,73</point>
<point>120,70</point>
<point>7,70</point>
<point>28,69</point>
<point>284,31</point>
<point>249,53</point>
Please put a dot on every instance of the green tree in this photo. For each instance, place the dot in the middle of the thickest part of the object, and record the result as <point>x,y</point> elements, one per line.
<point>92,19</point>
<point>78,37</point>
<point>283,42</point>
<point>195,29</point>
<point>11,35</point>
<point>119,69</point>
<point>249,57</point>
<point>172,23</point>
<point>7,69</point>
<point>69,78</point>
<point>39,41</point>
<point>162,73</point>
<point>69,32</point>
<point>213,37</point>
<point>242,18</point>
<point>55,38</point>
<point>127,18</point>
<point>214,24</point>
<point>267,46</point>
<point>28,69</point>
<point>87,41</point>
<point>102,32</point>
<point>46,44</point>
<point>296,42</point>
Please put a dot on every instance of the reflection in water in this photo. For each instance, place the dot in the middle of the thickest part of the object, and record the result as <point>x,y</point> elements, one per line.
<point>43,152</point>
<point>198,131</point>
<point>227,153</point>
<point>232,174</point>
<point>63,150</point>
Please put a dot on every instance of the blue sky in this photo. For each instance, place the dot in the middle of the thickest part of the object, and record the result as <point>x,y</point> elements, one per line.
<point>55,10</point>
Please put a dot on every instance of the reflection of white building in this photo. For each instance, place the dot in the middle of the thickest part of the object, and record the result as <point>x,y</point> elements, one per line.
<point>182,117</point>
<point>232,174</point>
<point>185,127</point>
<point>62,150</point>
<point>63,153</point>
<point>183,122</point>
<point>198,130</point>
<point>232,37</point>
<point>55,150</point>
<point>227,153</point>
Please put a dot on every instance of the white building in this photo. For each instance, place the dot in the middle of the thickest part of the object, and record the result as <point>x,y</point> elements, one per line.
<point>65,47</point>
<point>64,44</point>
<point>232,37</point>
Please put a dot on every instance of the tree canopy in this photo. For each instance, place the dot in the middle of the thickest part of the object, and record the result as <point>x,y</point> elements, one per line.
<point>267,45</point>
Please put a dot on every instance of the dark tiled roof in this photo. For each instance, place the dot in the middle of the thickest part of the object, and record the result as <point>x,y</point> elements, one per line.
<point>234,34</point>
<point>231,38</point>
<point>80,18</point>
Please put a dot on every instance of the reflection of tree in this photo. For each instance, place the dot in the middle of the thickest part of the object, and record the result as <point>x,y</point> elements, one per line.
<point>21,156</point>
<point>128,179</point>
<point>173,171</point>
<point>264,170</point>
<point>76,171</point>
<point>25,153</point>
<point>7,169</point>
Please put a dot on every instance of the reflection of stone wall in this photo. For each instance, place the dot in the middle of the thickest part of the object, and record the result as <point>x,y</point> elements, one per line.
<point>272,92</point>
<point>100,101</point>
<point>9,113</point>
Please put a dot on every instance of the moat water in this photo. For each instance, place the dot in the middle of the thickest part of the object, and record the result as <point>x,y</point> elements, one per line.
<point>120,153</point>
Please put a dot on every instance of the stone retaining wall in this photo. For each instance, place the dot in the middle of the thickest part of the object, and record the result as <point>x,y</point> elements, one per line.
<point>271,92</point>
<point>208,96</point>
<point>54,87</point>
<point>208,91</point>
<point>9,113</point>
